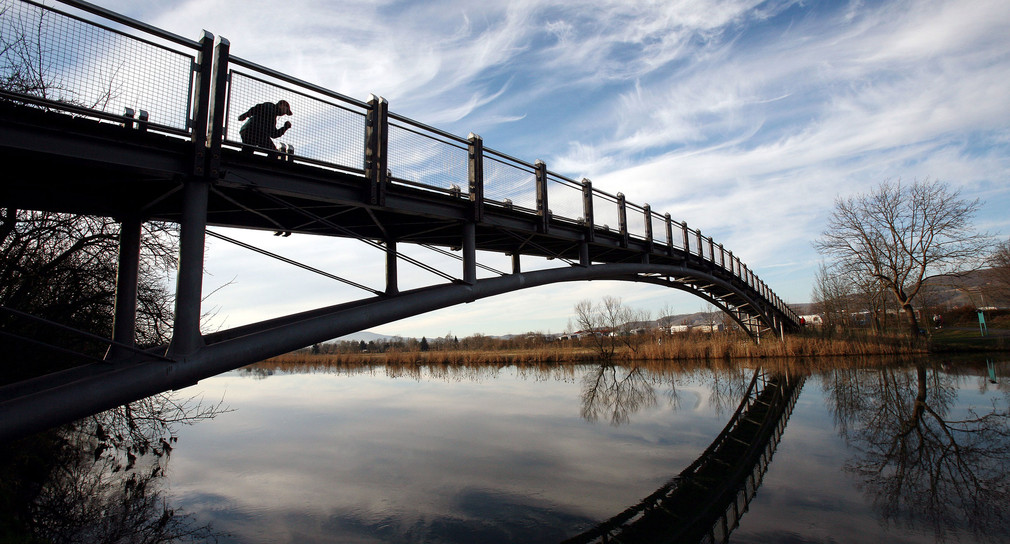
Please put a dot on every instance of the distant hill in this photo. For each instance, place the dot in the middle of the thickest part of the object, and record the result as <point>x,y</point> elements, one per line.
<point>361,336</point>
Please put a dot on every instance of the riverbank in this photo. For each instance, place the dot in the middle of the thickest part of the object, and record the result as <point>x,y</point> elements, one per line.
<point>723,347</point>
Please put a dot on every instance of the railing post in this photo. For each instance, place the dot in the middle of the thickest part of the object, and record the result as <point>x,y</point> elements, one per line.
<point>476,176</point>
<point>722,257</point>
<point>669,234</point>
<point>687,245</point>
<point>648,227</point>
<point>622,219</point>
<point>124,324</point>
<point>711,249</point>
<point>587,208</point>
<point>201,110</point>
<point>701,248</point>
<point>470,252</point>
<point>543,207</point>
<point>392,287</point>
<point>217,107</point>
<point>376,149</point>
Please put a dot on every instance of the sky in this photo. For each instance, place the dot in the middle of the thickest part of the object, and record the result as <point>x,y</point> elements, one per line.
<point>744,118</point>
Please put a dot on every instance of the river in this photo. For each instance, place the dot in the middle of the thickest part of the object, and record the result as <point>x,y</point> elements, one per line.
<point>911,451</point>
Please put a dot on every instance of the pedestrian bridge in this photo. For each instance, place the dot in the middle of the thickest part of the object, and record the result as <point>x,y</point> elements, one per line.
<point>105,115</point>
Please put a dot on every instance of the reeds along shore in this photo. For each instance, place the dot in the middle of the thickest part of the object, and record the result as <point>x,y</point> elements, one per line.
<point>667,348</point>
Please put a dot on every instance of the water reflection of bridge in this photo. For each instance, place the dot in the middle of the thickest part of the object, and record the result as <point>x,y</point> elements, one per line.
<point>705,502</point>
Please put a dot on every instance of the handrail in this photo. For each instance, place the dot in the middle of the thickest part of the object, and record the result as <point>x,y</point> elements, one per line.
<point>294,81</point>
<point>121,19</point>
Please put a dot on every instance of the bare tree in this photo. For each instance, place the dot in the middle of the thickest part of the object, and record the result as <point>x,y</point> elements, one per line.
<point>62,268</point>
<point>899,234</point>
<point>832,296</point>
<point>1000,263</point>
<point>608,324</point>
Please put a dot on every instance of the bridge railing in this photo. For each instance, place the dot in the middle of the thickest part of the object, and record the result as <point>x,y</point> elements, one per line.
<point>57,60</point>
<point>330,126</point>
<point>104,69</point>
<point>565,198</point>
<point>510,181</point>
<point>426,157</point>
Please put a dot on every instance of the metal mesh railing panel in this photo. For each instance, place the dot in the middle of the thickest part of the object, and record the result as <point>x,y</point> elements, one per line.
<point>605,212</point>
<point>427,159</point>
<point>504,179</point>
<point>54,58</point>
<point>636,220</point>
<point>564,198</point>
<point>691,243</point>
<point>321,129</point>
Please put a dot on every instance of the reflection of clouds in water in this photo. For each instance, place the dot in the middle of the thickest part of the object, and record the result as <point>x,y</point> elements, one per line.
<point>369,451</point>
<point>478,515</point>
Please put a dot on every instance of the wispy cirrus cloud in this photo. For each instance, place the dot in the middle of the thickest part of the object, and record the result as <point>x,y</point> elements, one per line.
<point>744,117</point>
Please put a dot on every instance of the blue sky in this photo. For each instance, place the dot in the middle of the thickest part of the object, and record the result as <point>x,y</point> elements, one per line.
<point>744,118</point>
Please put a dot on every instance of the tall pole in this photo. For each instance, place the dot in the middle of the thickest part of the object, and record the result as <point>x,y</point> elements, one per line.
<point>124,328</point>
<point>186,337</point>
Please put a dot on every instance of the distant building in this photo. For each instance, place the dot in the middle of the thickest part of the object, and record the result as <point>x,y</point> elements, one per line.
<point>813,320</point>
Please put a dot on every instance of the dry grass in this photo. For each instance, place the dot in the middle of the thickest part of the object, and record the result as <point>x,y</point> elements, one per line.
<point>709,348</point>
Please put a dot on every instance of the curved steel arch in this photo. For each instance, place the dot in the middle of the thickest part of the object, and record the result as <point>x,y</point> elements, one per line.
<point>272,337</point>
<point>65,396</point>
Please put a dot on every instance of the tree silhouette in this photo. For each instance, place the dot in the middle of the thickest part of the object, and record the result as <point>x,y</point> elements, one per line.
<point>897,235</point>
<point>100,479</point>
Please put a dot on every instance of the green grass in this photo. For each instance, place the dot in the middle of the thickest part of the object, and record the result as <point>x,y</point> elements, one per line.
<point>968,339</point>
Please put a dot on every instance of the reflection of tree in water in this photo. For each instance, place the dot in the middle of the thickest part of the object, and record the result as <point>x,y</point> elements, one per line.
<point>919,462</point>
<point>100,479</point>
<point>727,388</point>
<point>615,393</point>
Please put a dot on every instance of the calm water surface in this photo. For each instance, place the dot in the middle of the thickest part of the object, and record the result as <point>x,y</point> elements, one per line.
<point>910,453</point>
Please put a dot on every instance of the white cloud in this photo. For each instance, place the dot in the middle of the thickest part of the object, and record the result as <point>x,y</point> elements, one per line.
<point>744,118</point>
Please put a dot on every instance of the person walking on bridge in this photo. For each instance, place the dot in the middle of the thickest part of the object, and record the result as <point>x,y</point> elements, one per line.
<point>261,127</point>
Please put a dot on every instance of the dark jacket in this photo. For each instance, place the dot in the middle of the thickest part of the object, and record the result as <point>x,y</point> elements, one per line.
<point>262,125</point>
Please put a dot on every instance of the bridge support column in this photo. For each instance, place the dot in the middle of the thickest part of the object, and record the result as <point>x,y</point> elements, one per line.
<point>470,253</point>
<point>391,286</point>
<point>584,253</point>
<point>516,267</point>
<point>124,327</point>
<point>186,336</point>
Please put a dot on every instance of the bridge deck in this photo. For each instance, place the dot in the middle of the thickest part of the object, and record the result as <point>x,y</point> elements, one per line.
<point>99,168</point>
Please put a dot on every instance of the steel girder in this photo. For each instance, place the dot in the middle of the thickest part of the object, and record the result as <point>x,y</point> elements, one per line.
<point>66,396</point>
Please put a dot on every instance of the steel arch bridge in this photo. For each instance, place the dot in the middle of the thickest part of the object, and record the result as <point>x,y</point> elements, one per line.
<point>166,148</point>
